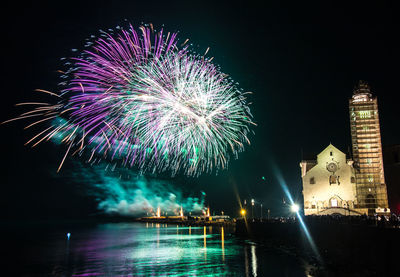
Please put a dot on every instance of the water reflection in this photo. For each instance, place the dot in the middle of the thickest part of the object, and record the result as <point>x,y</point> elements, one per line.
<point>136,249</point>
<point>246,261</point>
<point>222,244</point>
<point>159,249</point>
<point>205,238</point>
<point>253,260</point>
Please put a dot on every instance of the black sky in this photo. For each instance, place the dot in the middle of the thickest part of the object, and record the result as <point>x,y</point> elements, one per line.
<point>300,60</point>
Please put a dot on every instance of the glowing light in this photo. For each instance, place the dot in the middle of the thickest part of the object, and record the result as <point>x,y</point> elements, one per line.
<point>146,100</point>
<point>68,236</point>
<point>298,215</point>
<point>243,212</point>
<point>365,114</point>
<point>295,208</point>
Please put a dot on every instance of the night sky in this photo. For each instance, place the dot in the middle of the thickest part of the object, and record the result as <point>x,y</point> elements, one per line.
<point>301,61</point>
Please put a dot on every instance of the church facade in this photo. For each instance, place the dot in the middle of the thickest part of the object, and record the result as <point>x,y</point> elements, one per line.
<point>329,184</point>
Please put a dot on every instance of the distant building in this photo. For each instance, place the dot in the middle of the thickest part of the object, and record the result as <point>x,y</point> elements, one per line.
<point>329,184</point>
<point>391,158</point>
<point>367,150</point>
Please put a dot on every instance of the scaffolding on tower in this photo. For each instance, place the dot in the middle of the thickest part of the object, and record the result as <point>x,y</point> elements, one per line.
<point>367,150</point>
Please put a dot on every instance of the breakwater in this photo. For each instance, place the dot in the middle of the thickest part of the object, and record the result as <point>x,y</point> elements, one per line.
<point>185,221</point>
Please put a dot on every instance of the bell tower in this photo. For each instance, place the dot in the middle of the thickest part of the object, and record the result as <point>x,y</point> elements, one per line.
<point>367,149</point>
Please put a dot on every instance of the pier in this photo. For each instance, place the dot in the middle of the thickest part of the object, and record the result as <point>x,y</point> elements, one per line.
<point>217,220</point>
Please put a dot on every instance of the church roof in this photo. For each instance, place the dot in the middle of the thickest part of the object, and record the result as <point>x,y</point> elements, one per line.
<point>312,157</point>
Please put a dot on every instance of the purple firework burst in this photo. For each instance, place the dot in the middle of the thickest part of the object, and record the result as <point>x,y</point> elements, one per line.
<point>141,99</point>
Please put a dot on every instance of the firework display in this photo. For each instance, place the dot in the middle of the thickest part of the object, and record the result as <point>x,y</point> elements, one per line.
<point>141,99</point>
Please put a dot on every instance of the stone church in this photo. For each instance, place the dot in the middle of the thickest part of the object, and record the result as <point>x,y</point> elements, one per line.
<point>329,184</point>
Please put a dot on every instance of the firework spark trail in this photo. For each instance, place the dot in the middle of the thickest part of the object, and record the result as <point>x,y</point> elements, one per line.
<point>143,100</point>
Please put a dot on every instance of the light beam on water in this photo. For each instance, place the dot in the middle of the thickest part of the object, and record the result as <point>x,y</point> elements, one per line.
<point>298,215</point>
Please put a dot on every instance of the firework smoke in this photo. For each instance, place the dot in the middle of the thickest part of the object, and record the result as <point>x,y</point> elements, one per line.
<point>122,192</point>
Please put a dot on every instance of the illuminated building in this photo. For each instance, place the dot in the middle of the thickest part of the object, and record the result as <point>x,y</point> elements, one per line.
<point>334,184</point>
<point>329,184</point>
<point>367,150</point>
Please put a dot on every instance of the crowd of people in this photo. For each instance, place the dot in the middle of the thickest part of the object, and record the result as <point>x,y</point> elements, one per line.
<point>390,221</point>
<point>380,220</point>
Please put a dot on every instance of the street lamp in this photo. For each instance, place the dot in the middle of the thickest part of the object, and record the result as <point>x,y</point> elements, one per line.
<point>252,208</point>
<point>243,212</point>
<point>295,208</point>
